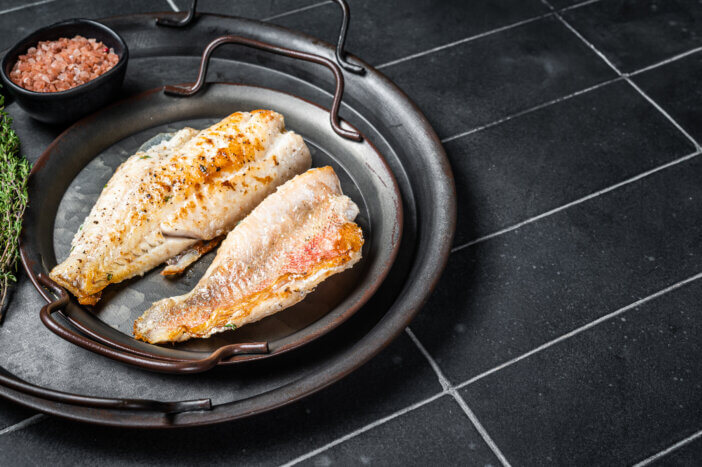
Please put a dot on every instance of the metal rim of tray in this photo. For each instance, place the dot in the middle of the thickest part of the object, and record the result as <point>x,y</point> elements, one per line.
<point>432,192</point>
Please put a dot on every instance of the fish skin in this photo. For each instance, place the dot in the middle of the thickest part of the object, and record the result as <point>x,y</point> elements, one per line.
<point>194,187</point>
<point>295,239</point>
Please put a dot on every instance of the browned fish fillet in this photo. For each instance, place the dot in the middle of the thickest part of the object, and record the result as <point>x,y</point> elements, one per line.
<point>179,196</point>
<point>296,238</point>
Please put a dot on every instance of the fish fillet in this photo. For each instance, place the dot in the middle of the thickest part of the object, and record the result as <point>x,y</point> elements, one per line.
<point>179,196</point>
<point>295,239</point>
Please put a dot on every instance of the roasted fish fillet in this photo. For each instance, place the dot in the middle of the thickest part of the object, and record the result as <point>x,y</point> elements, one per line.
<point>295,239</point>
<point>175,199</point>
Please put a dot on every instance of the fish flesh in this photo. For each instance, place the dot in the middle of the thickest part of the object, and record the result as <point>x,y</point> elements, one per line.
<point>179,198</point>
<point>295,239</point>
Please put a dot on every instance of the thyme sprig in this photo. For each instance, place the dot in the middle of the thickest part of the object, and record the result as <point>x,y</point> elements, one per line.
<point>14,171</point>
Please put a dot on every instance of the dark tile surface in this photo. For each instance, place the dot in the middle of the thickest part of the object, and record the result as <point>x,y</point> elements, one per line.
<point>547,158</point>
<point>398,377</point>
<point>671,87</point>
<point>632,384</point>
<point>257,9</point>
<point>381,31</point>
<point>463,87</point>
<point>439,431</point>
<point>637,33</point>
<point>19,23</point>
<point>507,295</point>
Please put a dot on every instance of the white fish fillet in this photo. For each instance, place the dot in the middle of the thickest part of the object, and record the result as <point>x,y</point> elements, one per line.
<point>180,195</point>
<point>295,239</point>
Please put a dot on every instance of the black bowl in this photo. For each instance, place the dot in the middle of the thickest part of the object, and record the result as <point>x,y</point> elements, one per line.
<point>69,105</point>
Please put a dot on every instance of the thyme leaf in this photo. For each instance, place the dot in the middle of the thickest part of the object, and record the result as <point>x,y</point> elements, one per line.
<point>14,171</point>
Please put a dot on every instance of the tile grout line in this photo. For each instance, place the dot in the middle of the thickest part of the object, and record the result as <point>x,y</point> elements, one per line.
<point>451,390</point>
<point>530,109</point>
<point>173,5</point>
<point>480,35</point>
<point>668,450</point>
<point>443,381</point>
<point>577,5</point>
<point>297,10</point>
<point>583,328</point>
<point>625,76</point>
<point>478,426</point>
<point>22,7</point>
<point>459,400</point>
<point>662,111</point>
<point>363,429</point>
<point>23,424</point>
<point>563,207</point>
<point>462,41</point>
<point>674,58</point>
<point>574,94</point>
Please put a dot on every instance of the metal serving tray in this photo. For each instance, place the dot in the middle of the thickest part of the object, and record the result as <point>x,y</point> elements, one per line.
<point>388,121</point>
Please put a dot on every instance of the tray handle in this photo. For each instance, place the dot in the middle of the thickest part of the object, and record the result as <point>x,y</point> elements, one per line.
<point>341,41</point>
<point>24,387</point>
<point>125,356</point>
<point>181,23</point>
<point>186,91</point>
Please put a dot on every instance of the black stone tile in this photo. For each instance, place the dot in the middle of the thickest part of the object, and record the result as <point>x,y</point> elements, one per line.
<point>673,86</point>
<point>547,158</point>
<point>439,431</point>
<point>507,295</point>
<point>257,9</point>
<point>383,31</point>
<point>689,454</point>
<point>398,377</point>
<point>637,33</point>
<point>612,395</point>
<point>480,81</point>
<point>19,23</point>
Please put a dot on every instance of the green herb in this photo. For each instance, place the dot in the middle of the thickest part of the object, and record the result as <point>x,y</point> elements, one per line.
<point>145,157</point>
<point>230,326</point>
<point>14,170</point>
<point>167,199</point>
<point>109,276</point>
